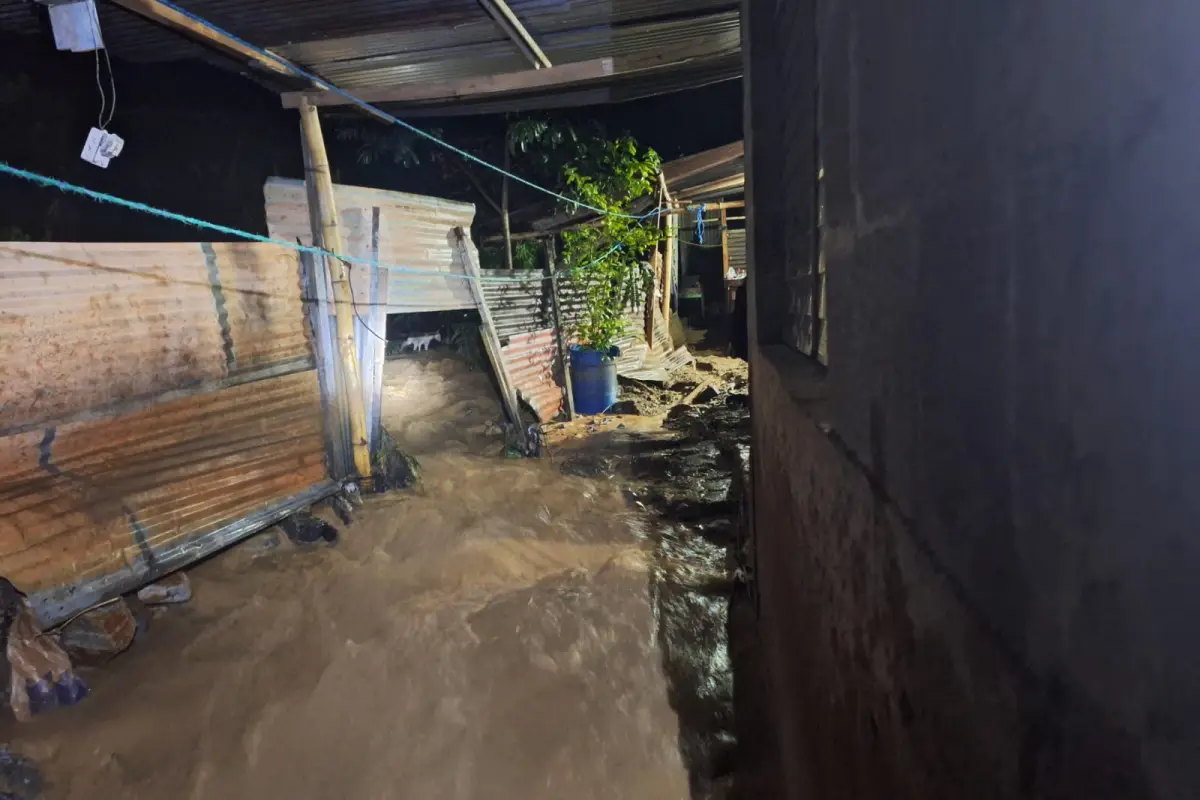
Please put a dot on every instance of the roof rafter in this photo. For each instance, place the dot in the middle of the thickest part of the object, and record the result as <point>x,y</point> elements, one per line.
<point>510,23</point>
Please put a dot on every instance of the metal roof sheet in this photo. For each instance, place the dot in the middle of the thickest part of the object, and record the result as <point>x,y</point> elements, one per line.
<point>372,43</point>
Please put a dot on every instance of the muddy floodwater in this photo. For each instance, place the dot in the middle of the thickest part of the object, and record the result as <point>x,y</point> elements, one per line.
<point>516,629</point>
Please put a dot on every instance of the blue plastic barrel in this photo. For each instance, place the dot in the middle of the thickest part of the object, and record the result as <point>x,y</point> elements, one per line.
<point>593,379</point>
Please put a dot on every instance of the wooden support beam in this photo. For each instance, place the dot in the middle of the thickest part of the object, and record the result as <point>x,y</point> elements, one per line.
<point>687,209</point>
<point>156,12</point>
<point>526,80</point>
<point>724,247</point>
<point>735,183</point>
<point>491,341</point>
<point>690,166</point>
<point>510,23</point>
<point>330,238</point>
<point>668,271</point>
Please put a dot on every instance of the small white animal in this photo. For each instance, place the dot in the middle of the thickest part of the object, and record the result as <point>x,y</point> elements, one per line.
<point>419,343</point>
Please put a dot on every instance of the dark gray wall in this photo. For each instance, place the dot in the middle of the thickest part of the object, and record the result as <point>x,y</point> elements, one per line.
<point>1013,281</point>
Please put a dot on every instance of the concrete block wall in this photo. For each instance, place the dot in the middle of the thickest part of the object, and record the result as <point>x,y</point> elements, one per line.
<point>977,530</point>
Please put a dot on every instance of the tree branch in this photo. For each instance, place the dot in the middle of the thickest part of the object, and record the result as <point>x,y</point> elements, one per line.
<point>479,187</point>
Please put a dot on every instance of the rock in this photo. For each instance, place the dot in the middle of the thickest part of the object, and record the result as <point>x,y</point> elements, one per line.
<point>705,366</point>
<point>303,528</point>
<point>705,395</point>
<point>624,408</point>
<point>586,466</point>
<point>141,616</point>
<point>174,588</point>
<point>100,635</point>
<point>679,412</point>
<point>683,387</point>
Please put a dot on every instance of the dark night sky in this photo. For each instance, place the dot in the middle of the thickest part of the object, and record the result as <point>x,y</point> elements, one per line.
<point>201,141</point>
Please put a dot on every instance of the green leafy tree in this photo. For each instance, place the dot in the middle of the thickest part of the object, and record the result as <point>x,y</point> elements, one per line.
<point>532,147</point>
<point>609,255</point>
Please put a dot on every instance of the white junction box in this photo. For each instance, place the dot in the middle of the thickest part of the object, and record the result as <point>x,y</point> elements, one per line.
<point>76,26</point>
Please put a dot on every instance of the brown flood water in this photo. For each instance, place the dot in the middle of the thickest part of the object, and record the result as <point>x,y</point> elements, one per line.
<point>506,631</point>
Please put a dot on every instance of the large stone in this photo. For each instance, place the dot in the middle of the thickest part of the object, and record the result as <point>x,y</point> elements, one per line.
<point>174,588</point>
<point>303,528</point>
<point>97,636</point>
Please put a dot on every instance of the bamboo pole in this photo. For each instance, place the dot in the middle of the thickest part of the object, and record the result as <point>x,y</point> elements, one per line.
<point>331,239</point>
<point>669,266</point>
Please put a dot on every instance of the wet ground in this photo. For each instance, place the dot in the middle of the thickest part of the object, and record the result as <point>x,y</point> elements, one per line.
<point>552,628</point>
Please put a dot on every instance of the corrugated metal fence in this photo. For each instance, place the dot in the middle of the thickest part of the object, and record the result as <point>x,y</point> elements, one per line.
<point>157,401</point>
<point>737,249</point>
<point>390,228</point>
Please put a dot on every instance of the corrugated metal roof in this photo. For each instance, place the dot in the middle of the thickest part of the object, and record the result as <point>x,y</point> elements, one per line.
<point>374,43</point>
<point>720,172</point>
<point>479,49</point>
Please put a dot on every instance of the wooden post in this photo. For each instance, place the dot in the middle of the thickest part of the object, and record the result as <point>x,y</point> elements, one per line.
<point>668,271</point>
<point>725,262</point>
<point>491,340</point>
<point>552,270</point>
<point>649,308</point>
<point>330,235</point>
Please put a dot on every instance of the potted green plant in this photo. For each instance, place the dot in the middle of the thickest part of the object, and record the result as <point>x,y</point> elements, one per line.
<point>607,258</point>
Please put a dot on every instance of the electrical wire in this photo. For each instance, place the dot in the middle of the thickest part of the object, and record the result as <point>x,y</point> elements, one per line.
<point>195,222</point>
<point>101,122</point>
<point>354,303</point>
<point>364,105</point>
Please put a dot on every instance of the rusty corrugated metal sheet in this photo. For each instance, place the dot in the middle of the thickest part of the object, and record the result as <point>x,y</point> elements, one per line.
<point>403,58</point>
<point>518,307</point>
<point>157,400</point>
<point>737,249</point>
<point>85,500</point>
<point>532,362</point>
<point>84,327</point>
<point>413,231</point>
<point>396,60</point>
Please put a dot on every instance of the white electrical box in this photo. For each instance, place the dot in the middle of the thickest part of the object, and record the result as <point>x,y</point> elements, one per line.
<point>76,26</point>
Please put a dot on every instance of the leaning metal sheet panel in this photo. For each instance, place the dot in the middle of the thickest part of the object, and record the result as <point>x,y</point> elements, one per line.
<point>532,362</point>
<point>159,401</point>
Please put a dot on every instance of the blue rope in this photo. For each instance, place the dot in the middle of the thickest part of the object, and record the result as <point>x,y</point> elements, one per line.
<point>255,237</point>
<point>700,224</point>
<point>363,104</point>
